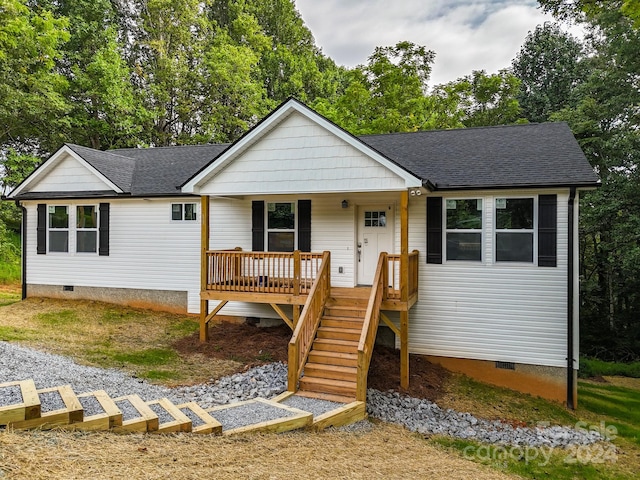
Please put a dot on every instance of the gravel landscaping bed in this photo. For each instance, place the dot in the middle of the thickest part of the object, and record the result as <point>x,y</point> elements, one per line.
<point>129,412</point>
<point>50,401</point>
<point>91,406</point>
<point>196,421</point>
<point>10,395</point>
<point>20,363</point>
<point>163,415</point>
<point>248,414</point>
<point>313,405</point>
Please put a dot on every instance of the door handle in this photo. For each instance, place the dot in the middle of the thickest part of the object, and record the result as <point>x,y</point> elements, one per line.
<point>359,251</point>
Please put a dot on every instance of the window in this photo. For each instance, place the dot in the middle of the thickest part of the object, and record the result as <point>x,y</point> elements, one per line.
<point>86,229</point>
<point>514,229</point>
<point>375,219</point>
<point>183,211</point>
<point>464,229</point>
<point>281,226</point>
<point>58,228</point>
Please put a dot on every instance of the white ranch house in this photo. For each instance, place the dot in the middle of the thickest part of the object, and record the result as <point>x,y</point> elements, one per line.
<point>463,242</point>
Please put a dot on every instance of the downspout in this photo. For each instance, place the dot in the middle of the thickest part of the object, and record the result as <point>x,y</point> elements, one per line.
<point>570,277</point>
<point>23,253</point>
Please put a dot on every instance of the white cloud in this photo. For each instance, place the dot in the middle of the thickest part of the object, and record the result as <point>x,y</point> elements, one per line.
<point>466,35</point>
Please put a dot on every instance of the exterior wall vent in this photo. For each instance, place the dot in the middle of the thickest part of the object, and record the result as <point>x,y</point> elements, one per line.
<point>506,365</point>
<point>67,288</point>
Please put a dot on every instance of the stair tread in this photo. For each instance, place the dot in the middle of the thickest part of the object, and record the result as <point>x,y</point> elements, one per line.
<point>340,329</point>
<point>330,382</point>
<point>335,368</point>
<point>328,353</point>
<point>335,341</point>
<point>343,319</point>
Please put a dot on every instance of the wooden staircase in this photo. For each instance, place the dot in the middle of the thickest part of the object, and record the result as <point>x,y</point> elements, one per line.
<point>331,370</point>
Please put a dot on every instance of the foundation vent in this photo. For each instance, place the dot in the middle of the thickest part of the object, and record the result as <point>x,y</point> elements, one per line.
<point>67,288</point>
<point>506,365</point>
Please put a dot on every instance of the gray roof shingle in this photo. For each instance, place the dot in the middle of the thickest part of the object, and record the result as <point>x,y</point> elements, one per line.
<point>528,155</point>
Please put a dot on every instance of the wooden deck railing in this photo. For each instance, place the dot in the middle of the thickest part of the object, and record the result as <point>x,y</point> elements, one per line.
<point>305,331</point>
<point>394,275</point>
<point>379,292</point>
<point>262,272</point>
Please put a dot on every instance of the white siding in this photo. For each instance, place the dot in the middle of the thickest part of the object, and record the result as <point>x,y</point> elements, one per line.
<point>66,175</point>
<point>147,251</point>
<point>488,311</point>
<point>301,156</point>
<point>332,229</point>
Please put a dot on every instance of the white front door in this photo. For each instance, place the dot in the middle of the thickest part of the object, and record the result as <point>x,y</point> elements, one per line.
<point>375,235</point>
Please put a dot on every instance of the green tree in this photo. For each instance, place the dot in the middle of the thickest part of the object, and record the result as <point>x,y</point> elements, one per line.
<point>550,66</point>
<point>484,99</point>
<point>31,101</point>
<point>388,94</point>
<point>606,121</point>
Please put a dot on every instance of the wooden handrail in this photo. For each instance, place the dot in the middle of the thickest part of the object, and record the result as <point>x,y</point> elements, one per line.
<point>394,281</point>
<point>305,331</point>
<point>290,273</point>
<point>370,326</point>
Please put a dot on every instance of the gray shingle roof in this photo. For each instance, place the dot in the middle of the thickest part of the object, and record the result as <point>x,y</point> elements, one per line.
<point>161,171</point>
<point>527,155</point>
<point>116,168</point>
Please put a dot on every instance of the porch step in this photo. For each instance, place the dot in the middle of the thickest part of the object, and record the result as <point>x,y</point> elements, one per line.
<point>328,386</point>
<point>341,322</point>
<point>348,310</point>
<point>337,372</point>
<point>352,334</point>
<point>334,345</point>
<point>333,358</point>
<point>345,292</point>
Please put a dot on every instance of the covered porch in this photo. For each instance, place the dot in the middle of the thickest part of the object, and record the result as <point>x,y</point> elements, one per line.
<point>298,286</point>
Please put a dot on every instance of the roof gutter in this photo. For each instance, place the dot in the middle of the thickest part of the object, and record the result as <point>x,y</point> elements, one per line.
<point>571,400</point>
<point>23,253</point>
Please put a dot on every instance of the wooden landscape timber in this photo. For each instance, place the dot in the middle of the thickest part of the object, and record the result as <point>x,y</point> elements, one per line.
<point>28,409</point>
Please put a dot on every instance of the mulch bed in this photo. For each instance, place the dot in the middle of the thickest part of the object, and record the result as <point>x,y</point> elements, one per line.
<point>254,346</point>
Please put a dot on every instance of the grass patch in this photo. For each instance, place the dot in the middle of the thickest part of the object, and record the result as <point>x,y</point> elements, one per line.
<point>151,357</point>
<point>621,406</point>
<point>12,334</point>
<point>58,318</point>
<point>592,367</point>
<point>535,463</point>
<point>466,394</point>
<point>108,336</point>
<point>9,297</point>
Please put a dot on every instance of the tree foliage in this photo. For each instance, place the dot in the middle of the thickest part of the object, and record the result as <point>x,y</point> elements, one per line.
<point>601,109</point>
<point>550,65</point>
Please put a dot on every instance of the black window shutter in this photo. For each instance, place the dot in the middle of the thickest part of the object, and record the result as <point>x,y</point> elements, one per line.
<point>257,226</point>
<point>434,229</point>
<point>547,230</point>
<point>42,229</point>
<point>304,225</point>
<point>103,235</point>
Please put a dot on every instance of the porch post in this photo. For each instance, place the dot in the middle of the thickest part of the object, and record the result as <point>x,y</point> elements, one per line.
<point>204,247</point>
<point>404,289</point>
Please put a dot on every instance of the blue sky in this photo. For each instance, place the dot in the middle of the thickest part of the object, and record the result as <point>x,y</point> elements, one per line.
<point>465,34</point>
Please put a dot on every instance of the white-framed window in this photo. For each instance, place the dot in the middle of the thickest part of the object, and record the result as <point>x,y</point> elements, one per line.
<point>86,228</point>
<point>515,226</point>
<point>281,226</point>
<point>463,229</point>
<point>183,212</point>
<point>58,228</point>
